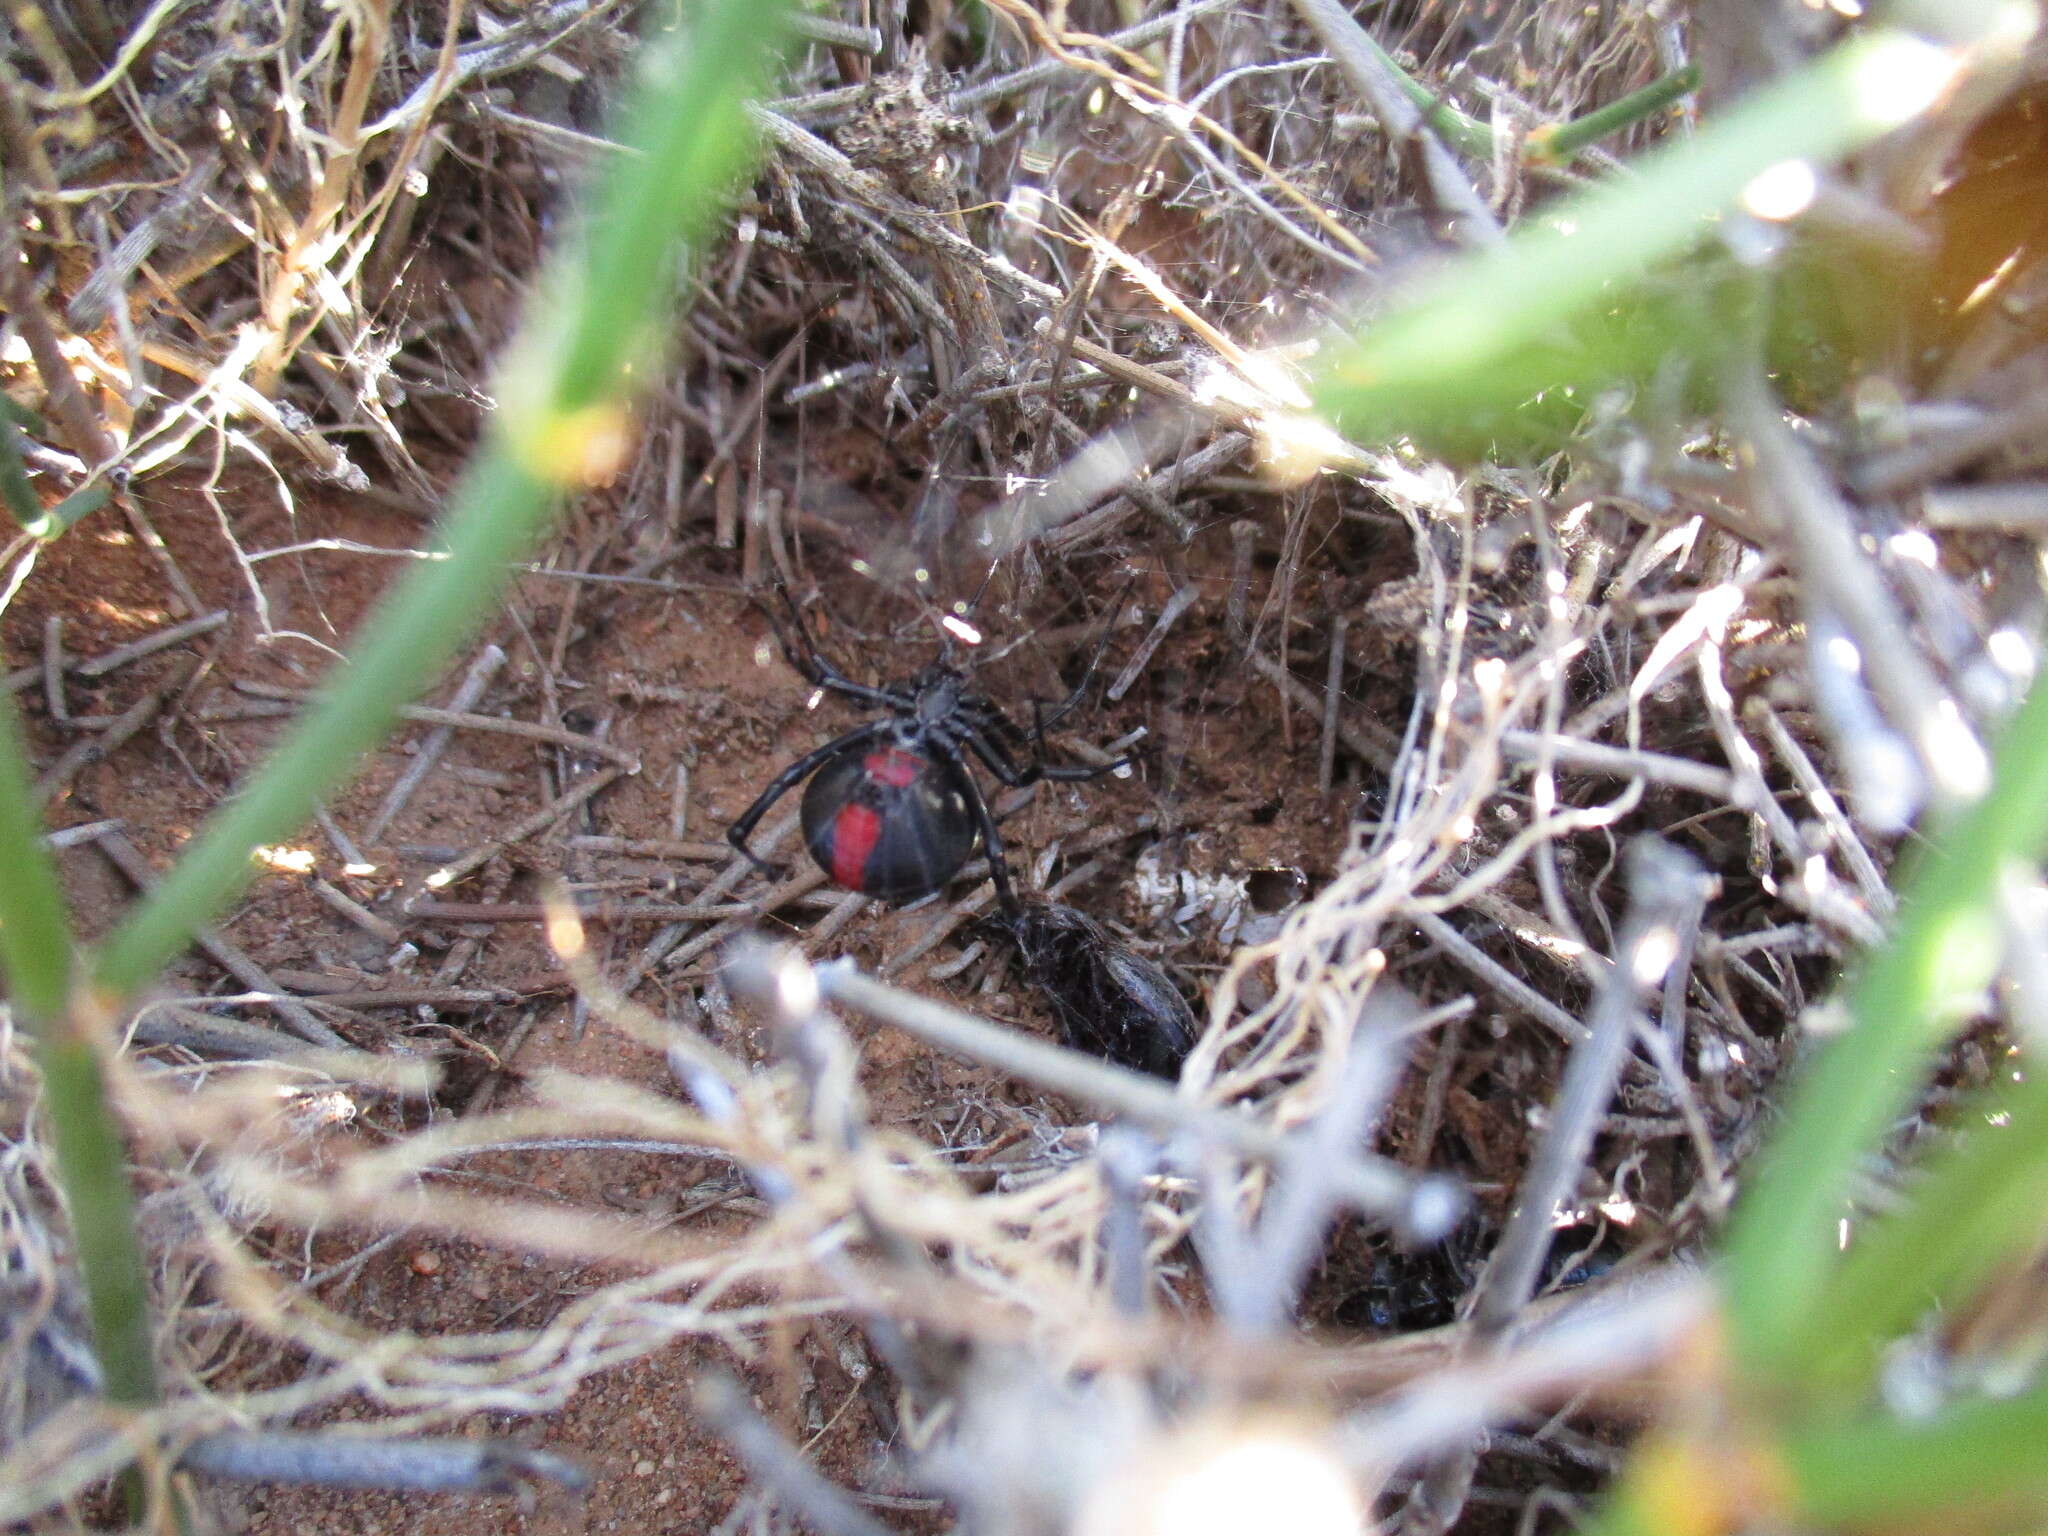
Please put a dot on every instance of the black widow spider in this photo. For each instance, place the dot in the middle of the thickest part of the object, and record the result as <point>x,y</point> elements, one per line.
<point>892,811</point>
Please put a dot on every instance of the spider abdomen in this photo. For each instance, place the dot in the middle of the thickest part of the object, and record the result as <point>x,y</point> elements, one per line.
<point>888,822</point>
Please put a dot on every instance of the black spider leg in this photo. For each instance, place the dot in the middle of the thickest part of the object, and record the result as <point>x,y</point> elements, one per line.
<point>986,728</point>
<point>1041,723</point>
<point>981,717</point>
<point>1072,772</point>
<point>999,762</point>
<point>936,616</point>
<point>738,833</point>
<point>810,663</point>
<point>999,727</point>
<point>991,839</point>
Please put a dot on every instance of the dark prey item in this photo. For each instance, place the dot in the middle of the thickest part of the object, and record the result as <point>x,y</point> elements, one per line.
<point>1108,999</point>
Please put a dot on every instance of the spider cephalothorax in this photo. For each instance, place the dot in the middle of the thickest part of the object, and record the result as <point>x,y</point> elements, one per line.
<point>892,810</point>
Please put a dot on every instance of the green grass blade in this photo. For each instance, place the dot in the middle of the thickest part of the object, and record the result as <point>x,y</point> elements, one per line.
<point>21,416</point>
<point>1551,144</point>
<point>35,932</point>
<point>1463,346</point>
<point>1458,129</point>
<point>1979,1204</point>
<point>23,505</point>
<point>1782,1242</point>
<point>36,958</point>
<point>564,421</point>
<point>1979,1465</point>
<point>92,1166</point>
<point>1974,1462</point>
<point>497,511</point>
<point>80,503</point>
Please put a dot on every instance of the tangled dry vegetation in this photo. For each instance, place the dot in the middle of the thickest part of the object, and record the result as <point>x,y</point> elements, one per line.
<point>979,332</point>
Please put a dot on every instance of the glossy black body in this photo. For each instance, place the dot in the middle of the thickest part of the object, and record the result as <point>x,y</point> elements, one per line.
<point>1108,999</point>
<point>889,822</point>
<point>892,810</point>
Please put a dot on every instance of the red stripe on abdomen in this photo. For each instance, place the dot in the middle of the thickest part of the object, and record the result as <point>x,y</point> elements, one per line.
<point>855,831</point>
<point>895,767</point>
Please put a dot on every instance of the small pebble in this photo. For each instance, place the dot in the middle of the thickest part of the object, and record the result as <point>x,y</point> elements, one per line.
<point>643,1468</point>
<point>426,1262</point>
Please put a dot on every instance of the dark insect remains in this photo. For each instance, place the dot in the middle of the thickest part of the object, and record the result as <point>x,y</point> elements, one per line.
<point>1107,998</point>
<point>892,810</point>
<point>1407,1292</point>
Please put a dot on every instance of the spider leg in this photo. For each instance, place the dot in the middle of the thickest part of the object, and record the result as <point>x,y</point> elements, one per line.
<point>974,735</point>
<point>1041,723</point>
<point>999,762</point>
<point>991,842</point>
<point>989,720</point>
<point>738,833</point>
<point>996,732</point>
<point>809,662</point>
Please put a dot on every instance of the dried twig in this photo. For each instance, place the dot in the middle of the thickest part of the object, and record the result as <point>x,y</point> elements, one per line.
<point>53,669</point>
<point>128,859</point>
<point>121,656</point>
<point>1666,890</point>
<point>554,735</point>
<point>778,1465</point>
<point>360,1461</point>
<point>471,689</point>
<point>1373,78</point>
<point>113,735</point>
<point>459,869</point>
<point>1182,600</point>
<point>1820,529</point>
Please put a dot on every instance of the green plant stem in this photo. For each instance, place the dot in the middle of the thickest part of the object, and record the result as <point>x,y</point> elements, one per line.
<point>35,952</point>
<point>19,493</point>
<point>92,1166</point>
<point>1979,1464</point>
<point>80,503</point>
<point>1782,1244</point>
<point>22,417</point>
<point>573,377</point>
<point>1469,136</point>
<point>1569,138</point>
<point>1460,130</point>
<point>497,511</point>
